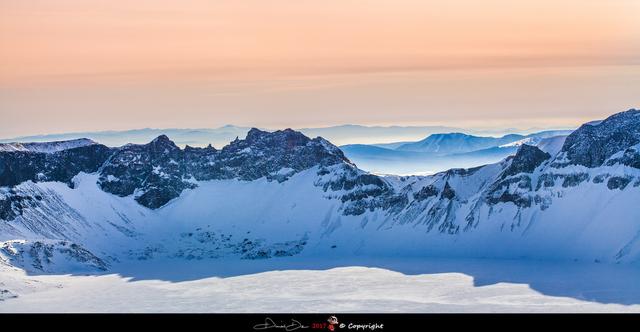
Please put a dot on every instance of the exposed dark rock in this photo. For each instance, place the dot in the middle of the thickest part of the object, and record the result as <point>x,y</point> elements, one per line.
<point>41,255</point>
<point>159,171</point>
<point>462,171</point>
<point>546,180</point>
<point>448,192</point>
<point>572,180</point>
<point>543,201</point>
<point>517,199</point>
<point>568,180</point>
<point>526,160</point>
<point>363,200</point>
<point>600,178</point>
<point>525,182</point>
<point>426,192</point>
<point>630,157</point>
<point>264,154</point>
<point>12,204</point>
<point>20,166</point>
<point>155,172</point>
<point>619,182</point>
<point>351,178</point>
<point>362,194</point>
<point>521,181</point>
<point>592,144</point>
<point>202,163</point>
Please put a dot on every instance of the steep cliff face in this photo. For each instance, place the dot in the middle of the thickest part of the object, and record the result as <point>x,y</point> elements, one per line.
<point>160,171</point>
<point>593,143</point>
<point>49,161</point>
<point>153,172</point>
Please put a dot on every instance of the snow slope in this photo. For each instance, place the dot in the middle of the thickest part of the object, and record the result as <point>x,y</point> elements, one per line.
<point>290,285</point>
<point>262,219</point>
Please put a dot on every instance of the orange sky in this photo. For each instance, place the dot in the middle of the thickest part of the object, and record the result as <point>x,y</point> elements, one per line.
<point>277,63</point>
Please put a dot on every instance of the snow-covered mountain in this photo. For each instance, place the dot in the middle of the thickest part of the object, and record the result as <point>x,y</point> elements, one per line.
<point>456,143</point>
<point>281,193</point>
<point>440,152</point>
<point>380,160</point>
<point>219,137</point>
<point>182,137</point>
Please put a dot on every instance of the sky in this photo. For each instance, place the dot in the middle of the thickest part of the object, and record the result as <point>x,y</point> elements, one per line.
<point>84,65</point>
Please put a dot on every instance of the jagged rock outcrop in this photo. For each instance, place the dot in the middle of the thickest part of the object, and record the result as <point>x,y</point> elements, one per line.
<point>515,183</point>
<point>18,166</point>
<point>153,172</point>
<point>159,171</point>
<point>276,155</point>
<point>629,157</point>
<point>47,256</point>
<point>38,162</point>
<point>526,159</point>
<point>593,143</point>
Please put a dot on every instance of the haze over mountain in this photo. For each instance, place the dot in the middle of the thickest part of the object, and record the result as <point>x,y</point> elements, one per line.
<point>219,137</point>
<point>439,152</point>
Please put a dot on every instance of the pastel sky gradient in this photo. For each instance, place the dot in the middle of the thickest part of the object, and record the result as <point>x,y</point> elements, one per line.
<point>79,65</point>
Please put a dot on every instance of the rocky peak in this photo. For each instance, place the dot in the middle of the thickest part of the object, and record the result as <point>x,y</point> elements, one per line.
<point>265,153</point>
<point>286,143</point>
<point>162,142</point>
<point>448,192</point>
<point>287,139</point>
<point>161,138</point>
<point>153,172</point>
<point>593,143</point>
<point>526,159</point>
<point>257,135</point>
<point>209,148</point>
<point>159,171</point>
<point>254,134</point>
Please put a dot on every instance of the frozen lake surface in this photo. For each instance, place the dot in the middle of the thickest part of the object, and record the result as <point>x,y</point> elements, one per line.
<point>308,285</point>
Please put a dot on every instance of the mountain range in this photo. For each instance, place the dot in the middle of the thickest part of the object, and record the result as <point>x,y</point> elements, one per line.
<point>439,152</point>
<point>219,137</point>
<point>83,206</point>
